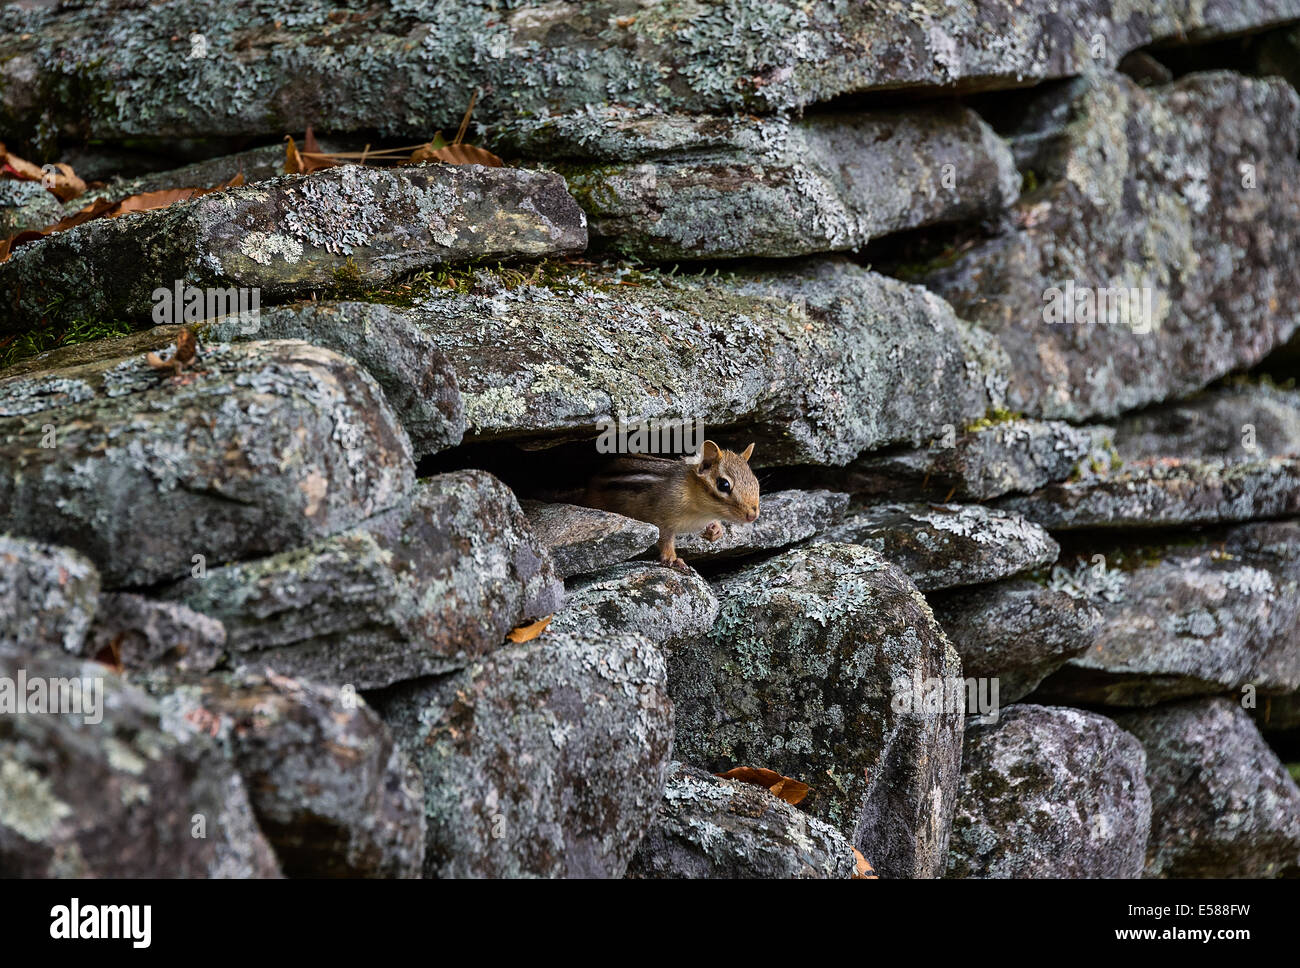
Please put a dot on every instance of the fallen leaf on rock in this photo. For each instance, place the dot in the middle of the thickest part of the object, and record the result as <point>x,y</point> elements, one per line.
<point>104,208</point>
<point>62,180</point>
<point>526,633</point>
<point>456,154</point>
<point>865,871</point>
<point>791,791</point>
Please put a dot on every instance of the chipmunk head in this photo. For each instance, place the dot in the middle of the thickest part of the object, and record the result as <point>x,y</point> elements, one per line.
<point>731,484</point>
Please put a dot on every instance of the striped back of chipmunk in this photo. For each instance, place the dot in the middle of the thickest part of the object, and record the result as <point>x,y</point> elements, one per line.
<point>636,474</point>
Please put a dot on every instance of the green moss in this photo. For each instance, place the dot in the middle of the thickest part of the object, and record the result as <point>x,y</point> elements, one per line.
<point>1029,182</point>
<point>993,416</point>
<point>26,345</point>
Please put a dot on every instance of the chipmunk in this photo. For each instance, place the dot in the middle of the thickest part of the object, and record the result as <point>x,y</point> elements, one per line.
<point>679,496</point>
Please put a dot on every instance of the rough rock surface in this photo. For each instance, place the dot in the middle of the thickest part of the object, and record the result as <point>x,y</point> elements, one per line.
<point>1148,193</point>
<point>709,827</point>
<point>946,545</point>
<point>1243,422</point>
<point>332,791</point>
<point>1015,631</point>
<point>818,360</point>
<point>771,187</point>
<point>420,590</point>
<point>1167,491</point>
<point>1191,619</point>
<point>1004,458</point>
<point>140,633</point>
<point>112,72</point>
<point>340,226</point>
<point>1050,792</point>
<point>663,604</point>
<point>1222,805</point>
<point>48,596</point>
<point>545,759</point>
<point>264,446</point>
<point>115,794</point>
<point>786,517</point>
<point>798,675</point>
<point>583,540</point>
<point>418,381</point>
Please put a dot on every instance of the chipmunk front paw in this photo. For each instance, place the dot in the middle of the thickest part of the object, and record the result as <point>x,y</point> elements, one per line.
<point>713,532</point>
<point>674,562</point>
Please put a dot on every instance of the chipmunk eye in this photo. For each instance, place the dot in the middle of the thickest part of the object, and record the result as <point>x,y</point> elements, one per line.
<point>724,485</point>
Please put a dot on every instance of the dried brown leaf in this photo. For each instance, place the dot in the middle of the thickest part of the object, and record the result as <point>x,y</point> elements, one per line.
<point>456,155</point>
<point>864,872</point>
<point>526,633</point>
<point>791,791</point>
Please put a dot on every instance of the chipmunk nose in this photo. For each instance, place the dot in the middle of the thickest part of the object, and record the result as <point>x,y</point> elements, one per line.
<point>752,515</point>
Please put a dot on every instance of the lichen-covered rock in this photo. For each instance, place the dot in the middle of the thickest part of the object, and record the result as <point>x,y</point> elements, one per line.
<point>1016,632</point>
<point>262,446</point>
<point>1167,491</point>
<point>1248,421</point>
<point>983,463</point>
<point>818,359</point>
<point>26,205</point>
<point>710,827</point>
<point>1050,792</point>
<point>946,545</point>
<point>176,70</point>
<point>331,789</point>
<point>800,673</point>
<point>420,590</point>
<point>418,381</point>
<point>1222,805</point>
<point>786,517</point>
<point>1175,207</point>
<point>546,759</point>
<point>771,187</point>
<point>582,540</point>
<point>1189,619</point>
<point>340,226</point>
<point>48,596</point>
<point>109,792</point>
<point>140,633</point>
<point>665,605</point>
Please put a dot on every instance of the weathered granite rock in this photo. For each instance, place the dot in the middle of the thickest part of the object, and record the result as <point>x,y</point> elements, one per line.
<point>583,540</point>
<point>1166,491</point>
<point>26,205</point>
<point>946,545</point>
<point>110,792</point>
<point>1050,792</point>
<point>420,590</point>
<point>545,759</point>
<point>263,446</point>
<point>716,828</point>
<point>347,225</point>
<point>1222,805</point>
<point>1149,193</point>
<point>141,633</point>
<point>983,463</point>
<point>819,360</point>
<point>798,675</point>
<point>410,67</point>
<point>135,344</point>
<point>418,381</point>
<point>332,791</point>
<point>1188,620</point>
<point>665,605</point>
<point>786,517</point>
<point>21,210</point>
<point>1242,422</point>
<point>48,596</point>
<point>1016,632</point>
<point>772,187</point>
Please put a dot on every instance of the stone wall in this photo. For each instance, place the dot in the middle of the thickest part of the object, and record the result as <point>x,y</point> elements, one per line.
<point>1002,292</point>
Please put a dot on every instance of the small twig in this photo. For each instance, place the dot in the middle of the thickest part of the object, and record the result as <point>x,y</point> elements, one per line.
<point>464,122</point>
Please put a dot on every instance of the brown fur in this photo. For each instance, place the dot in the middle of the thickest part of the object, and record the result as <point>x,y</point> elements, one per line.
<point>676,496</point>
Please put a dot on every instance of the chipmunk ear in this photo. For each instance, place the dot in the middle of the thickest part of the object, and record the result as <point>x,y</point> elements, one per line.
<point>744,454</point>
<point>709,455</point>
